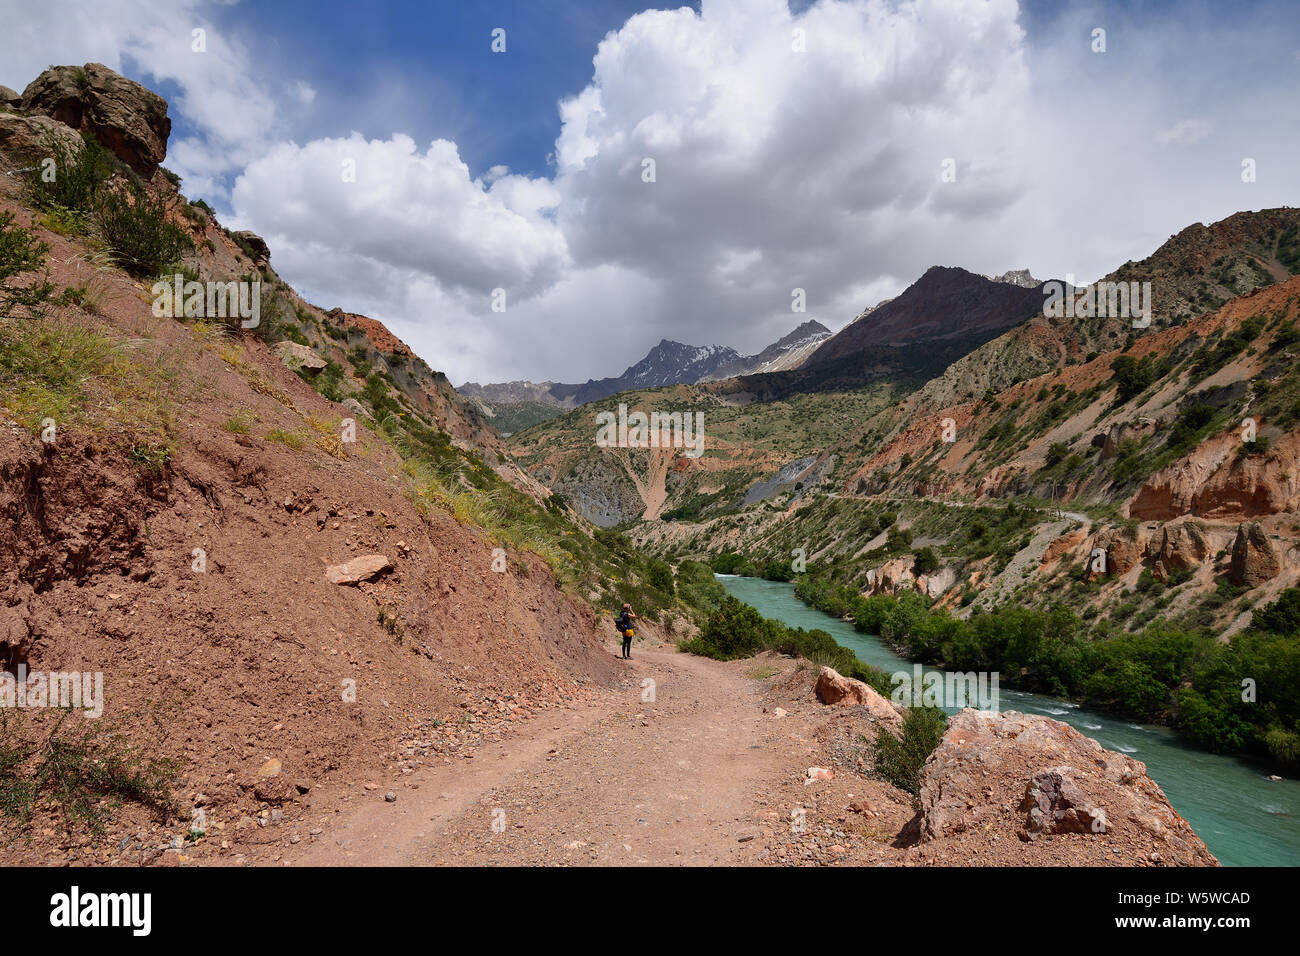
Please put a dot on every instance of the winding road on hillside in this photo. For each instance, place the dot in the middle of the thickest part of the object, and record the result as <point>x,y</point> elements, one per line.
<point>950,503</point>
<point>674,780</point>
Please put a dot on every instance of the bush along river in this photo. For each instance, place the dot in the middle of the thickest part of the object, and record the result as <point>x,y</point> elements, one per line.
<point>1243,817</point>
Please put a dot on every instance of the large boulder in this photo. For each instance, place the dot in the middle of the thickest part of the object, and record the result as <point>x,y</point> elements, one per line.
<point>124,116</point>
<point>1028,776</point>
<point>8,97</point>
<point>835,689</point>
<point>299,356</point>
<point>29,139</point>
<point>1254,560</point>
<point>936,584</point>
<point>1063,545</point>
<point>356,408</point>
<point>254,245</point>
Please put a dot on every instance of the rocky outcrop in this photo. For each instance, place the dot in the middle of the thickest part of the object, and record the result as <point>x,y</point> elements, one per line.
<point>1063,545</point>
<point>1182,547</point>
<point>1041,779</point>
<point>1111,441</point>
<point>601,491</point>
<point>899,574</point>
<point>29,139</point>
<point>1123,551</point>
<point>9,97</point>
<point>1254,559</point>
<point>892,577</point>
<point>356,408</point>
<point>358,569</point>
<point>1053,803</point>
<point>1215,481</point>
<point>837,690</point>
<point>936,584</point>
<point>254,245</point>
<point>125,117</point>
<point>299,356</point>
<point>1021,277</point>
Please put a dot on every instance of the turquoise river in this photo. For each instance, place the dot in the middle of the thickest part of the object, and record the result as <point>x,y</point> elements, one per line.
<point>1243,817</point>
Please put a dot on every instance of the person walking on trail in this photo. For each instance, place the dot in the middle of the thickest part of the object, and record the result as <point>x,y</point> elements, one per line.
<point>624,624</point>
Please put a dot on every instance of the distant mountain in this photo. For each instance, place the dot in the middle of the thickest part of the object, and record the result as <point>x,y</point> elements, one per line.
<point>668,363</point>
<point>1020,277</point>
<point>945,303</point>
<point>516,391</point>
<point>1017,277</point>
<point>1194,272</point>
<point>788,352</point>
<point>934,322</point>
<point>514,406</point>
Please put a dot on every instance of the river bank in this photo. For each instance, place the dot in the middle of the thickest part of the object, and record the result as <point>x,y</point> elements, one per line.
<point>1245,818</point>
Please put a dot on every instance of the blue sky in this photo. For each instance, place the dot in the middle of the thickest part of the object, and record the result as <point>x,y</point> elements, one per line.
<point>777,167</point>
<point>433,59</point>
<point>435,62</point>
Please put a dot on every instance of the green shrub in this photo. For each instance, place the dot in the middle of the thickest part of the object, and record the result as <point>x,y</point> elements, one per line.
<point>328,381</point>
<point>1191,423</point>
<point>660,576</point>
<point>1283,745</point>
<point>143,240</point>
<point>20,253</point>
<point>1128,465</point>
<point>1285,337</point>
<point>697,586</point>
<point>735,630</point>
<point>78,176</point>
<point>1210,359</point>
<point>151,456</point>
<point>899,761</point>
<point>778,571</point>
<point>728,562</point>
<point>925,562</point>
<point>82,770</point>
<point>898,540</point>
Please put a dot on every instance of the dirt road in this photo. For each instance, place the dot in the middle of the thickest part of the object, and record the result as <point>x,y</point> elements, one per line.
<point>677,777</point>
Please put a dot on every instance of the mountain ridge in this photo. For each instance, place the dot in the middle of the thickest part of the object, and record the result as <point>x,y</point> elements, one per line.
<point>521,403</point>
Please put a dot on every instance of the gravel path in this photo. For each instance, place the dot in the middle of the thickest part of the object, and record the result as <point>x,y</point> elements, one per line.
<point>623,780</point>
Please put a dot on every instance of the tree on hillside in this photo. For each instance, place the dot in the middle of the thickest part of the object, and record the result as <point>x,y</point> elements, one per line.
<point>1282,616</point>
<point>1132,376</point>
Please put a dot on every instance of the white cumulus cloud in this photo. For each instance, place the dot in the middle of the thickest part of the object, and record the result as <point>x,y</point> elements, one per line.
<point>417,212</point>
<point>841,150</point>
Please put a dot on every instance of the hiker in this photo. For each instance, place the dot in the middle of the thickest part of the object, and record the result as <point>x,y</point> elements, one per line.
<point>624,624</point>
